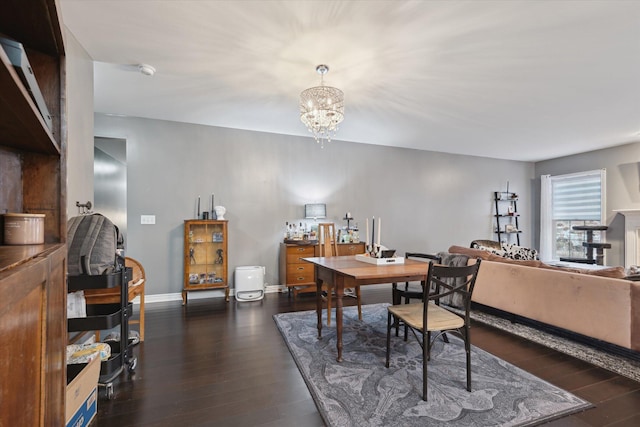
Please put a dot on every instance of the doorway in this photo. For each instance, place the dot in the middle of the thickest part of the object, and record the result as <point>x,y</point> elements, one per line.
<point>110,181</point>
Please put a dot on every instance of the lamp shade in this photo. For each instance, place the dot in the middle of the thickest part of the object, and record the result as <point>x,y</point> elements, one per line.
<point>315,210</point>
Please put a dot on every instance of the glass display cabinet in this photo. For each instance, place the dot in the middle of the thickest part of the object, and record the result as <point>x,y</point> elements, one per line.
<point>205,256</point>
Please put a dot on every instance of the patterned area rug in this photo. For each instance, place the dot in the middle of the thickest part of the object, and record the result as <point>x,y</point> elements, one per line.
<point>621,365</point>
<point>360,391</point>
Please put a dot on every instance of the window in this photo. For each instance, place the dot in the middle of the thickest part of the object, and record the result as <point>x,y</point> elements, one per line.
<point>567,201</point>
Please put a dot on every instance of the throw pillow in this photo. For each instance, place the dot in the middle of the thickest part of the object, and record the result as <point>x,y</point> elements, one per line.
<point>494,251</point>
<point>519,252</point>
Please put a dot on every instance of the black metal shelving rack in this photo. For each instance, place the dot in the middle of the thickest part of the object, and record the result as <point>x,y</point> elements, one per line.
<point>510,217</point>
<point>107,316</point>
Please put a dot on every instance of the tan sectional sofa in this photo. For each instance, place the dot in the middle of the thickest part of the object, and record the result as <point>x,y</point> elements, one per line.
<point>600,304</point>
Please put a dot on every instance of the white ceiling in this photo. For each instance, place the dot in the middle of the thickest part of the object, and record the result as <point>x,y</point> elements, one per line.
<point>522,80</point>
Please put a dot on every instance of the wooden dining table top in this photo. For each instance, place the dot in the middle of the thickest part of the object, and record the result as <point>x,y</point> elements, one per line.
<point>364,273</point>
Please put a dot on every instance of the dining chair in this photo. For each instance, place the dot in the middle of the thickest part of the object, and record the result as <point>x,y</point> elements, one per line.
<point>328,246</point>
<point>410,292</point>
<point>429,316</point>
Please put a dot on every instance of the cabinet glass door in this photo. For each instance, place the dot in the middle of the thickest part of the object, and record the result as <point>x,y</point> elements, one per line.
<point>206,254</point>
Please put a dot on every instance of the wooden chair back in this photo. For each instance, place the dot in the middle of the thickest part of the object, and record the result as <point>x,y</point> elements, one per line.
<point>446,280</point>
<point>328,245</point>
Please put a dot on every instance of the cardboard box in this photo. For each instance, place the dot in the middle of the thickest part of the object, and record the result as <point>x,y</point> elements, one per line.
<point>82,393</point>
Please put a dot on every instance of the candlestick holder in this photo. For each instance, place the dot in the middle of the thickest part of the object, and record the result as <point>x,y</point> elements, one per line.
<point>374,250</point>
<point>378,255</point>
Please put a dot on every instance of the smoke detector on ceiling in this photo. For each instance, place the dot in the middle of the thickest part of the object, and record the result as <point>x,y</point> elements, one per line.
<point>147,69</point>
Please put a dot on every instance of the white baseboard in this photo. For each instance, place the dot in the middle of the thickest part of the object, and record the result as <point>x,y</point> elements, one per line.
<point>150,299</point>
<point>268,289</point>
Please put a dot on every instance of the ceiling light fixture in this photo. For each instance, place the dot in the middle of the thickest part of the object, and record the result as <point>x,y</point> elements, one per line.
<point>147,69</point>
<point>322,109</point>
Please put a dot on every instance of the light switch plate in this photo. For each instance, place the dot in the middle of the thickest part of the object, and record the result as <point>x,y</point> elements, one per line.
<point>147,219</point>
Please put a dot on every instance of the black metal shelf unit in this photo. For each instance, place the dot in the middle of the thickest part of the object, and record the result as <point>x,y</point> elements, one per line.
<point>107,316</point>
<point>506,205</point>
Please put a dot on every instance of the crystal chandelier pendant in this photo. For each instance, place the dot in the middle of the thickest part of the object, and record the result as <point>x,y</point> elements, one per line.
<point>322,109</point>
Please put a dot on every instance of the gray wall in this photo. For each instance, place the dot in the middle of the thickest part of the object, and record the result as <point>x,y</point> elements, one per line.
<point>79,81</point>
<point>427,201</point>
<point>110,188</point>
<point>623,187</point>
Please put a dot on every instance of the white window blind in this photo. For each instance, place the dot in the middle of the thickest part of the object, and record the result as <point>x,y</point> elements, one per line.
<point>577,197</point>
<point>566,201</point>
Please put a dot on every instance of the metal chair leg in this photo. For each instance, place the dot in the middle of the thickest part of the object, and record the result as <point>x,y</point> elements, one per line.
<point>388,339</point>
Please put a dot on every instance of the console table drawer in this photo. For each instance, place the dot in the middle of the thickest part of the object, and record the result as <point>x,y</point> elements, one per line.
<point>299,278</point>
<point>350,249</point>
<point>296,253</point>
<point>298,269</point>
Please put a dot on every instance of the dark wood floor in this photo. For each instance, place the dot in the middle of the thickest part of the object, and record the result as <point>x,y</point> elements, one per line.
<point>225,364</point>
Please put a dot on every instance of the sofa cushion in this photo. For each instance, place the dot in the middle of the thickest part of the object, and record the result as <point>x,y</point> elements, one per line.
<point>519,252</point>
<point>470,252</point>
<point>613,272</point>
<point>560,268</point>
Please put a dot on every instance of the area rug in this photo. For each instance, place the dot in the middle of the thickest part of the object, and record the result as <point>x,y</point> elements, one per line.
<point>621,365</point>
<point>361,392</point>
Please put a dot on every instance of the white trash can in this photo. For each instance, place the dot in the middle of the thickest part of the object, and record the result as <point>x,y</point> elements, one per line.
<point>249,283</point>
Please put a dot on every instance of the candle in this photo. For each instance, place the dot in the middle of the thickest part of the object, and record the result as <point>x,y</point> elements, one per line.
<point>379,224</point>
<point>373,230</point>
<point>198,206</point>
<point>367,233</point>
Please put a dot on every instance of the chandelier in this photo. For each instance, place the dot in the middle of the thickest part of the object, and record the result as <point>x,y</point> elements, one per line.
<point>322,109</point>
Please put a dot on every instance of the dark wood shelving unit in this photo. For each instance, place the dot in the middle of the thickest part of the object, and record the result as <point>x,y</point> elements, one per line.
<point>33,174</point>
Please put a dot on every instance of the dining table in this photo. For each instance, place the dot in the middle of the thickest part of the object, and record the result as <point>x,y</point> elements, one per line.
<point>345,272</point>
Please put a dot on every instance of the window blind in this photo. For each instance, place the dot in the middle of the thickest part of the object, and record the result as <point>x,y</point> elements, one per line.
<point>577,197</point>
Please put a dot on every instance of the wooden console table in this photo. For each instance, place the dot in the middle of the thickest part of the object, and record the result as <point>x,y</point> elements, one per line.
<point>298,275</point>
